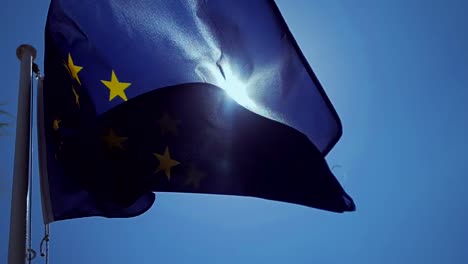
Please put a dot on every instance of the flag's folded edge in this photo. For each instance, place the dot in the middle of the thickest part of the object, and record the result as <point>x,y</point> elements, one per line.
<point>311,73</point>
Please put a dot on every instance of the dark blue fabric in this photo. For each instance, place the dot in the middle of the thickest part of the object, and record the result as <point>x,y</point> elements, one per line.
<point>242,107</point>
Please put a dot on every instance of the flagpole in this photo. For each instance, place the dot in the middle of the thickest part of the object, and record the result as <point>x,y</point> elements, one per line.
<point>17,243</point>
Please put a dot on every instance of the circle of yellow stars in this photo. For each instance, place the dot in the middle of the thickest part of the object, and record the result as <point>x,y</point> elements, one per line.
<point>114,141</point>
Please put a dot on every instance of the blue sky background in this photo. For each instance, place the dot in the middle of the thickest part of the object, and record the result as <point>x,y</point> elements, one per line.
<point>397,74</point>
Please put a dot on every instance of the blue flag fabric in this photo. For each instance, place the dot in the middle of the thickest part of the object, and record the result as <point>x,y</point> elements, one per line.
<point>190,96</point>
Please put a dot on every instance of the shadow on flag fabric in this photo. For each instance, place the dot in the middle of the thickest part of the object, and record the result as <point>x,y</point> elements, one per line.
<point>209,97</point>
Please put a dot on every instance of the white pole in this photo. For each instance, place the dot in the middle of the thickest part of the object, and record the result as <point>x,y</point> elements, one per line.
<point>17,243</point>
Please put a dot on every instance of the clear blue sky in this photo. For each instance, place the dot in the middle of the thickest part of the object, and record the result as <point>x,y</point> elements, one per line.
<point>397,73</point>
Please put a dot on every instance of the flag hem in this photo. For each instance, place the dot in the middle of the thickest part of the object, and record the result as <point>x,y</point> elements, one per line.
<point>47,213</point>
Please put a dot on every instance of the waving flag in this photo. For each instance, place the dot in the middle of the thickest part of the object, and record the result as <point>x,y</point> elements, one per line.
<point>189,96</point>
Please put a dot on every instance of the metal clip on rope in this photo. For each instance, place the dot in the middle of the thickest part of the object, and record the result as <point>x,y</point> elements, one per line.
<point>45,239</point>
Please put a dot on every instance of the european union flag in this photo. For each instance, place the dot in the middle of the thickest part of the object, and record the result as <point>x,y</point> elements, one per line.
<point>191,96</point>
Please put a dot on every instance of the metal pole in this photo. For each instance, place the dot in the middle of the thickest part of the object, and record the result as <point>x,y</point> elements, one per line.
<point>17,243</point>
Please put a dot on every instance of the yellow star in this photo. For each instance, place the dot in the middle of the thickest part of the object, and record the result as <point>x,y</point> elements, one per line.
<point>113,140</point>
<point>168,125</point>
<point>73,69</point>
<point>56,124</point>
<point>116,88</point>
<point>194,177</point>
<point>77,97</point>
<point>165,163</point>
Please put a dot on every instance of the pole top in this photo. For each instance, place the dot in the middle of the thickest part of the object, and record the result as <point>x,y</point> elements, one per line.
<point>24,49</point>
